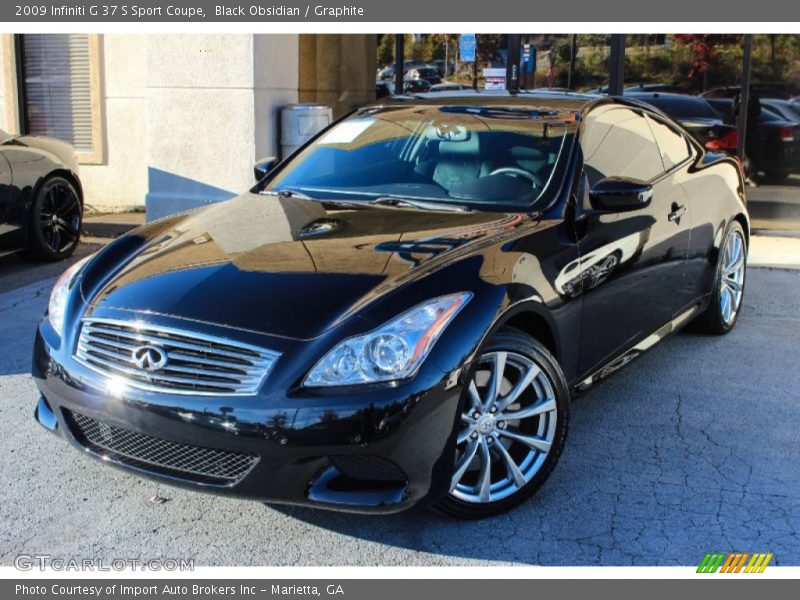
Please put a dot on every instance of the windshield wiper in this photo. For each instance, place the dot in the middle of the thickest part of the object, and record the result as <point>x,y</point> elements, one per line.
<point>423,204</point>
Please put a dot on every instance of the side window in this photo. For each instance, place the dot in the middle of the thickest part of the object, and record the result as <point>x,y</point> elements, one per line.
<point>673,145</point>
<point>618,142</point>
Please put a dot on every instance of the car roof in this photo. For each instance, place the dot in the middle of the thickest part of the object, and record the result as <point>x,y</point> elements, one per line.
<point>565,100</point>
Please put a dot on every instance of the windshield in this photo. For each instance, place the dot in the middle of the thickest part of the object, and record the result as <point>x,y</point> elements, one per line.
<point>467,155</point>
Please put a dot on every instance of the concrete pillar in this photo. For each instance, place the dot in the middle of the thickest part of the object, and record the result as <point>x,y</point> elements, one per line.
<point>8,83</point>
<point>212,103</point>
<point>338,70</point>
<point>120,181</point>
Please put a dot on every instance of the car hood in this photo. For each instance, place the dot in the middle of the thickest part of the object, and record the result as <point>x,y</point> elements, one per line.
<point>62,151</point>
<point>282,266</point>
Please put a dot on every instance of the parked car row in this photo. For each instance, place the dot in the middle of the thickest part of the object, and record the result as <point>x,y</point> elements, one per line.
<point>434,72</point>
<point>411,85</point>
<point>769,89</point>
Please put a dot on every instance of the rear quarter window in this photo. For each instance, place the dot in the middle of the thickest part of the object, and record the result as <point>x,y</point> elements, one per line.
<point>673,145</point>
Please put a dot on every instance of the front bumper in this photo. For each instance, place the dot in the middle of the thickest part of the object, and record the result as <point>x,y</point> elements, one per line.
<point>379,449</point>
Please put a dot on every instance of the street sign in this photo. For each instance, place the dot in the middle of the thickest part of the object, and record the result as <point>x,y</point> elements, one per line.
<point>466,47</point>
<point>494,79</point>
<point>528,58</point>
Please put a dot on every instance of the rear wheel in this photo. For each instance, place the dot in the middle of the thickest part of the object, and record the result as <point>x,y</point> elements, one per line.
<point>512,427</point>
<point>726,299</point>
<point>55,221</point>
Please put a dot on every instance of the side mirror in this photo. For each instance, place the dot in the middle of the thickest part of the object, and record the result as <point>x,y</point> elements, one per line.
<point>264,166</point>
<point>620,195</point>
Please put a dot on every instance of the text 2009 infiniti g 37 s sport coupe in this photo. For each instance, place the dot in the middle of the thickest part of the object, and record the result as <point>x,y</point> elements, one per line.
<point>398,314</point>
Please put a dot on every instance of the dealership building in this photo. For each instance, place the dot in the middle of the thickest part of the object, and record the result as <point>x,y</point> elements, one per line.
<point>168,122</point>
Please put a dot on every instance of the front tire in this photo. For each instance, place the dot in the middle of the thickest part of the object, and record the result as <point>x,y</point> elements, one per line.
<point>56,218</point>
<point>726,299</point>
<point>512,427</point>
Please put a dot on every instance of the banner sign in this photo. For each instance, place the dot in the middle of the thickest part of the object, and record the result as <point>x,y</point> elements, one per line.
<point>467,45</point>
<point>494,79</point>
<point>528,58</point>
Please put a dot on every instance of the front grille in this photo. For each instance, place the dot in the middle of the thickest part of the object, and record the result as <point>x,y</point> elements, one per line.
<point>202,465</point>
<point>195,363</point>
<point>368,467</point>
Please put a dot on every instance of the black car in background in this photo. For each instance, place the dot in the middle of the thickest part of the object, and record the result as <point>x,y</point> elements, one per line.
<point>769,89</point>
<point>696,115</point>
<point>668,88</point>
<point>415,86</point>
<point>383,88</point>
<point>782,108</point>
<point>41,201</point>
<point>386,73</point>
<point>778,152</point>
<point>399,314</point>
<point>429,74</point>
<point>664,88</point>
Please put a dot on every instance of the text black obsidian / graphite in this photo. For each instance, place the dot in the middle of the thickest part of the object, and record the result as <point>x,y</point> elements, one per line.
<point>256,11</point>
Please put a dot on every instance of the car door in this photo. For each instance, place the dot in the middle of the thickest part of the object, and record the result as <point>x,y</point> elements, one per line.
<point>678,156</point>
<point>631,261</point>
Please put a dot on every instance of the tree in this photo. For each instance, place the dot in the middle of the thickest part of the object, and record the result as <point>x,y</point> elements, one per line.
<point>488,47</point>
<point>386,49</point>
<point>704,49</point>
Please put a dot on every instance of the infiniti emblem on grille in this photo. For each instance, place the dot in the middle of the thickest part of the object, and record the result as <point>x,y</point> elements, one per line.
<point>150,358</point>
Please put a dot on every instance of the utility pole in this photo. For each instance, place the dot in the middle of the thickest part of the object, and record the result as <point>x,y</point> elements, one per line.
<point>744,95</point>
<point>573,56</point>
<point>475,66</point>
<point>616,75</point>
<point>446,54</point>
<point>458,58</point>
<point>512,62</point>
<point>399,54</point>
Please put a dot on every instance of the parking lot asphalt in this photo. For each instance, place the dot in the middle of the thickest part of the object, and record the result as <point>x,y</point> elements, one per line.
<point>775,209</point>
<point>693,448</point>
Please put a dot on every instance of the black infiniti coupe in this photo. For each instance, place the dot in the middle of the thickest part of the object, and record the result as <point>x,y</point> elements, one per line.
<point>398,314</point>
<point>41,202</point>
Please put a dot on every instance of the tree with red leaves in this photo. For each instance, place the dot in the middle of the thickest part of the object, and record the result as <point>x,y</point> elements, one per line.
<point>704,48</point>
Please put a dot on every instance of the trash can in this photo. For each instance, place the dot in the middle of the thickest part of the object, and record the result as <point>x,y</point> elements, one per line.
<point>299,123</point>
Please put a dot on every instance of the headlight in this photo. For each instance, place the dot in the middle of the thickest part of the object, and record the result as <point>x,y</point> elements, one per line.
<point>60,293</point>
<point>393,351</point>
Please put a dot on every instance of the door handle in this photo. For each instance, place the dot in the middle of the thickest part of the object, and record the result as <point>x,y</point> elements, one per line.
<point>678,211</point>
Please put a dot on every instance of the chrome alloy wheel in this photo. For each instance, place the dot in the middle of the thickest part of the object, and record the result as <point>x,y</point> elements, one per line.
<point>506,430</point>
<point>732,277</point>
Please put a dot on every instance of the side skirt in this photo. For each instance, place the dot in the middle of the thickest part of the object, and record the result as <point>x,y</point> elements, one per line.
<point>640,348</point>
